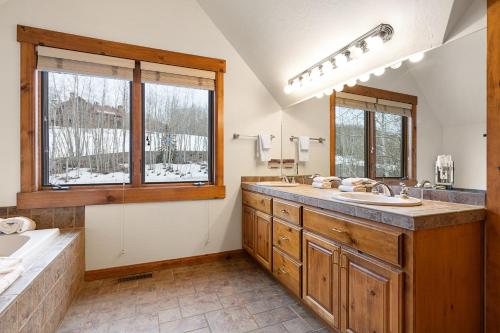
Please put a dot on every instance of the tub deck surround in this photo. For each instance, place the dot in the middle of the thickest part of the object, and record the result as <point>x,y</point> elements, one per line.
<point>431,214</point>
<point>38,300</point>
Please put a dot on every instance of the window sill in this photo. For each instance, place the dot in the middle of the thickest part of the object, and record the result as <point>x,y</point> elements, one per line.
<point>117,195</point>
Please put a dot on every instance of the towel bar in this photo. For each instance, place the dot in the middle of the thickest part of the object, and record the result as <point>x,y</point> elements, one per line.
<point>237,136</point>
<point>320,140</point>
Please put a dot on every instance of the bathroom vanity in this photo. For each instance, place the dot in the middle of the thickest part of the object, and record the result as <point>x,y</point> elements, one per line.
<point>368,268</point>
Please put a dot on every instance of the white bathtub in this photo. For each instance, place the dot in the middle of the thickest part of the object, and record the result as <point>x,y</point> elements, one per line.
<point>27,244</point>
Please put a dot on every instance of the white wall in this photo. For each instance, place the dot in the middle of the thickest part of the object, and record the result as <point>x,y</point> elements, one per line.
<point>153,231</point>
<point>310,118</point>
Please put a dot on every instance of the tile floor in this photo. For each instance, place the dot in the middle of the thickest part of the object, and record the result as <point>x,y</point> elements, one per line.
<point>232,296</point>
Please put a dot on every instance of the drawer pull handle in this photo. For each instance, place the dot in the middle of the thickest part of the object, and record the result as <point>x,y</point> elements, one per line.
<point>284,211</point>
<point>282,271</point>
<point>338,230</point>
<point>283,238</point>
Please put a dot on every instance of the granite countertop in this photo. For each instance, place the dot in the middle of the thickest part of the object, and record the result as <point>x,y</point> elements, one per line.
<point>431,214</point>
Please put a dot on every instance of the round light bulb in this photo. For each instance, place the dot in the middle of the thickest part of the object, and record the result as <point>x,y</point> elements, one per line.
<point>364,77</point>
<point>379,71</point>
<point>328,92</point>
<point>351,82</point>
<point>340,60</point>
<point>315,73</point>
<point>396,65</point>
<point>374,42</point>
<point>305,79</point>
<point>319,95</point>
<point>338,88</point>
<point>295,84</point>
<point>288,89</point>
<point>326,67</point>
<point>356,52</point>
<point>416,57</point>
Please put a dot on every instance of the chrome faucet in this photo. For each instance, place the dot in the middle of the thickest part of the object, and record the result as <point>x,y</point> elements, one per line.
<point>404,191</point>
<point>422,184</point>
<point>285,179</point>
<point>383,185</point>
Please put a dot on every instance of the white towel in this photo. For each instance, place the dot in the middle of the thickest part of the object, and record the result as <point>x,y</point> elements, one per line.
<point>320,179</point>
<point>355,188</point>
<point>357,181</point>
<point>8,264</point>
<point>303,148</point>
<point>264,147</point>
<point>7,279</point>
<point>17,224</point>
<point>322,184</point>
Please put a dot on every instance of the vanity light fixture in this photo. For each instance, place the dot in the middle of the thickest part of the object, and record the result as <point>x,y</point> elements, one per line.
<point>372,40</point>
<point>416,57</point>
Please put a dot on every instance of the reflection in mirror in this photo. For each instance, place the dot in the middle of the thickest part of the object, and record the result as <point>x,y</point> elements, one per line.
<point>367,137</point>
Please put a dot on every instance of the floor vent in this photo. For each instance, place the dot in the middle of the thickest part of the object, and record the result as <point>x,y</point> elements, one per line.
<point>135,277</point>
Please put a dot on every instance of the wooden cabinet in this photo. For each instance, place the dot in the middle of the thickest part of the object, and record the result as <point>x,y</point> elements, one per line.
<point>321,277</point>
<point>263,239</point>
<point>287,271</point>
<point>287,238</point>
<point>371,295</point>
<point>288,211</point>
<point>248,229</point>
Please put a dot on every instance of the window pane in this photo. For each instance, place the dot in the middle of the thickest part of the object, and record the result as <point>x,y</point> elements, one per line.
<point>389,144</point>
<point>350,142</point>
<point>176,127</point>
<point>86,123</point>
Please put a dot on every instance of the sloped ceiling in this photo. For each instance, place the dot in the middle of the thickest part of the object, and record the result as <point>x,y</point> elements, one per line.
<point>280,38</point>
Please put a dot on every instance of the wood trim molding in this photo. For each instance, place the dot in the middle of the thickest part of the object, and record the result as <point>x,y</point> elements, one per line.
<point>411,162</point>
<point>492,285</point>
<point>117,195</point>
<point>382,94</point>
<point>28,112</point>
<point>34,195</point>
<point>37,36</point>
<point>115,272</point>
<point>332,134</point>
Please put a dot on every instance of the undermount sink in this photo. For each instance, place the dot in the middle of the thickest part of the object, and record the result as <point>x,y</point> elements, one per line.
<point>377,199</point>
<point>278,184</point>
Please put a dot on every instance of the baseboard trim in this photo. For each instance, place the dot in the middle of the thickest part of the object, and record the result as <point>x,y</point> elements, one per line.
<point>115,272</point>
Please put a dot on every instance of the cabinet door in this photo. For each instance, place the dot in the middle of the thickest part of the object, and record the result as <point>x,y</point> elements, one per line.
<point>248,229</point>
<point>263,243</point>
<point>321,277</point>
<point>371,295</point>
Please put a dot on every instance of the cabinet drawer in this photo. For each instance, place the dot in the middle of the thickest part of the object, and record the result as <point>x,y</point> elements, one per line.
<point>287,211</point>
<point>384,244</point>
<point>287,238</point>
<point>287,271</point>
<point>258,201</point>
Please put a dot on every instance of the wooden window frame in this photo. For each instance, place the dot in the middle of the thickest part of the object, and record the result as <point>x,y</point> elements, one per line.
<point>410,137</point>
<point>34,195</point>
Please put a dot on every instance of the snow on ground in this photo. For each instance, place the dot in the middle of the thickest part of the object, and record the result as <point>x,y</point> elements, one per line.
<point>156,173</point>
<point>94,141</point>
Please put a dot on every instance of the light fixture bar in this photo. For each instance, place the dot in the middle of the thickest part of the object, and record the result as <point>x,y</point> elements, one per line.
<point>381,34</point>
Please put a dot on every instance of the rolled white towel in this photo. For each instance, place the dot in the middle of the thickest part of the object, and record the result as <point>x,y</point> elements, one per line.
<point>320,179</point>
<point>7,279</point>
<point>357,181</point>
<point>17,224</point>
<point>322,184</point>
<point>8,264</point>
<point>355,188</point>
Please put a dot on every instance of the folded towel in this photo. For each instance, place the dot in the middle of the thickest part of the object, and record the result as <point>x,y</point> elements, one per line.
<point>8,264</point>
<point>7,279</point>
<point>303,148</point>
<point>325,179</point>
<point>322,184</point>
<point>355,188</point>
<point>264,147</point>
<point>357,181</point>
<point>17,224</point>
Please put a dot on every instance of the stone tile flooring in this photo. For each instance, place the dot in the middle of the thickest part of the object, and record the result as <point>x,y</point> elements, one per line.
<point>229,296</point>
